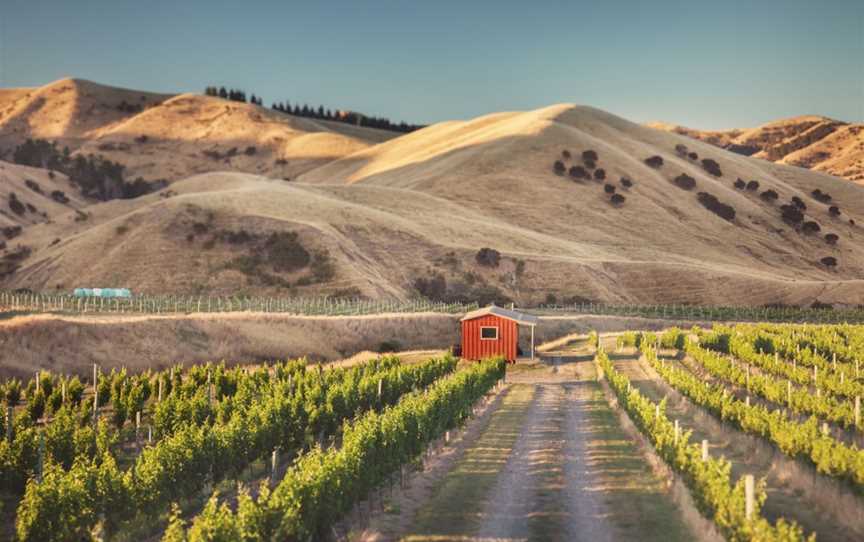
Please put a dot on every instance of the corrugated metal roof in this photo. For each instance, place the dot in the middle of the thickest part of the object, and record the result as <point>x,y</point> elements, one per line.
<point>518,317</point>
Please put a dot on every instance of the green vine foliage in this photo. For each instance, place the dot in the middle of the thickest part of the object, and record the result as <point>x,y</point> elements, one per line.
<point>709,481</point>
<point>324,484</point>
<point>288,409</point>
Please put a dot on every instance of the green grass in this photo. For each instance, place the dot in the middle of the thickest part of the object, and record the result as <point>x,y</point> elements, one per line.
<point>633,493</point>
<point>459,499</point>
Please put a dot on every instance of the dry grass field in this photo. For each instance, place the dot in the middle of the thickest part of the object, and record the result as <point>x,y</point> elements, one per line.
<point>386,211</point>
<point>812,142</point>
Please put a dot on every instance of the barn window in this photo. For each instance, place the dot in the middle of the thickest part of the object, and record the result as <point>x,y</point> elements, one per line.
<point>489,333</point>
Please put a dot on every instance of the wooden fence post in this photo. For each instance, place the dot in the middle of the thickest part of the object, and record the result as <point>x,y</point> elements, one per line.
<point>9,422</point>
<point>858,411</point>
<point>704,449</point>
<point>40,467</point>
<point>749,496</point>
<point>677,432</point>
<point>95,397</point>
<point>274,463</point>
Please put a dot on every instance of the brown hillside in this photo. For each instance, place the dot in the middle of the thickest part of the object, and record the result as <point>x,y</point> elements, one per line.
<point>198,133</point>
<point>424,203</point>
<point>812,142</point>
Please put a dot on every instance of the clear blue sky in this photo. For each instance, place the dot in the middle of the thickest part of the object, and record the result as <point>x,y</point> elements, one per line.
<point>716,64</point>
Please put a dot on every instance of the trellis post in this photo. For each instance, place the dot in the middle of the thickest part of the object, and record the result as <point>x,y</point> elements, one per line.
<point>749,496</point>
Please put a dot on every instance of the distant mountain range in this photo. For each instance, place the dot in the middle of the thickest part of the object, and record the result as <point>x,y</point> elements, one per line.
<point>813,142</point>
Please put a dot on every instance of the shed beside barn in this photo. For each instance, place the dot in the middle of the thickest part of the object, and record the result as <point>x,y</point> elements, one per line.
<point>494,331</point>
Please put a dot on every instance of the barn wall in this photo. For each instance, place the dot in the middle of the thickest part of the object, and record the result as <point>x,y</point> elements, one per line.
<point>475,348</point>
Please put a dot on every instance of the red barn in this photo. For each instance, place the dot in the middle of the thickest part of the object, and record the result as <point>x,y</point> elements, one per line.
<point>494,331</point>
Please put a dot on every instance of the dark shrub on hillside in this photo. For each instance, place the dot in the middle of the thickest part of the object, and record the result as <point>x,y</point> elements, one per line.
<point>791,214</point>
<point>710,202</point>
<point>740,184</point>
<point>685,181</point>
<point>693,156</point>
<point>831,238</point>
<point>565,154</point>
<point>389,346</point>
<point>769,195</point>
<point>681,150</point>
<point>753,186</point>
<point>712,167</point>
<point>240,237</point>
<point>600,174</point>
<point>59,196</point>
<point>590,155</point>
<point>797,202</point>
<point>579,172</point>
<point>434,287</point>
<point>11,232</point>
<point>746,150</point>
<point>33,185</point>
<point>654,161</point>
<point>285,253</point>
<point>852,221</point>
<point>818,195</point>
<point>609,189</point>
<point>834,210</point>
<point>810,227</point>
<point>829,261</point>
<point>626,182</point>
<point>488,257</point>
<point>590,164</point>
<point>250,150</point>
<point>15,204</point>
<point>559,167</point>
<point>617,199</point>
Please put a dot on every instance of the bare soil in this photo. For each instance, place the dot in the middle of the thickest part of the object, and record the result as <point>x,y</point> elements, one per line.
<point>551,463</point>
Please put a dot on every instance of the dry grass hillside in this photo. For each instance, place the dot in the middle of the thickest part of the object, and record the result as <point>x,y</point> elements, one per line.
<point>812,142</point>
<point>159,136</point>
<point>33,187</point>
<point>421,205</point>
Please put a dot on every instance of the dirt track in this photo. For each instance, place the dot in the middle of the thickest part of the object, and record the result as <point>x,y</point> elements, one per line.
<point>550,462</point>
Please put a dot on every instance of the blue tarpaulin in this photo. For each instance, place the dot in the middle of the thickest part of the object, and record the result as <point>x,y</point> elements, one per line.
<point>102,292</point>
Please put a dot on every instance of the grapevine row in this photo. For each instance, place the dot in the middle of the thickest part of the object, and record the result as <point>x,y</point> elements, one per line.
<point>288,414</point>
<point>804,440</point>
<point>322,485</point>
<point>708,479</point>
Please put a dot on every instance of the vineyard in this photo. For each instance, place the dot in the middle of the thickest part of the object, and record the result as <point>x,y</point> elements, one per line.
<point>738,432</point>
<point>177,304</point>
<point>336,306</point>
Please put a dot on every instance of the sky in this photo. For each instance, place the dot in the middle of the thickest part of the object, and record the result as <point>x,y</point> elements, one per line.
<point>710,65</point>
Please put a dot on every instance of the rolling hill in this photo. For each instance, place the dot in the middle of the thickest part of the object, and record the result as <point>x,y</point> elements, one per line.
<point>412,212</point>
<point>198,133</point>
<point>812,142</point>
